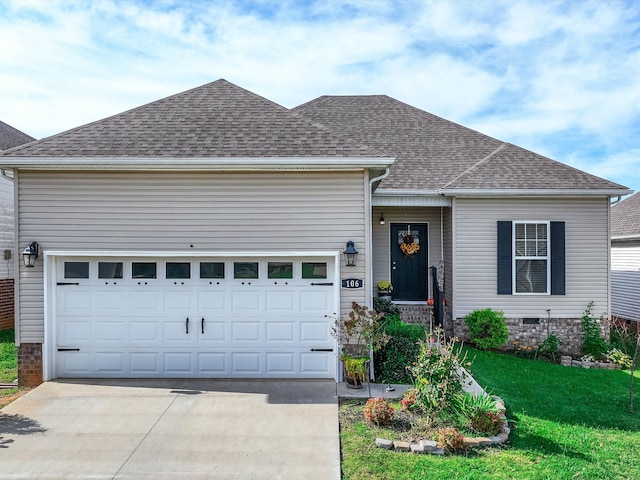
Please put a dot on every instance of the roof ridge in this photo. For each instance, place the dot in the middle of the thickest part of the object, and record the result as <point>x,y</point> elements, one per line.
<point>139,107</point>
<point>501,147</point>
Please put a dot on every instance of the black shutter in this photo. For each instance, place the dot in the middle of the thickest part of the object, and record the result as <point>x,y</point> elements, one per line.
<point>505,258</point>
<point>557,258</point>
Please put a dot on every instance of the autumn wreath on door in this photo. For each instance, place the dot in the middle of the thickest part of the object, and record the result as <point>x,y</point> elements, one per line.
<point>409,241</point>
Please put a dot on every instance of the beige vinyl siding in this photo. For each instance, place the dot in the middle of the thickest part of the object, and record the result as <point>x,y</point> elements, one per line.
<point>381,237</point>
<point>625,280</point>
<point>157,211</point>
<point>586,255</point>
<point>6,227</point>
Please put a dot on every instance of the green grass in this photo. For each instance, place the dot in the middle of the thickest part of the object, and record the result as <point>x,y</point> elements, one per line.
<point>8,357</point>
<point>569,423</point>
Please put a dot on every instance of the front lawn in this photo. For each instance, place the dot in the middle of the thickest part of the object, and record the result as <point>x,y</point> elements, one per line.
<point>570,423</point>
<point>8,357</point>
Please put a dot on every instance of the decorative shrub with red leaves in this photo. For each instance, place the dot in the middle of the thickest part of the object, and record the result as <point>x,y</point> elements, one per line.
<point>408,399</point>
<point>488,423</point>
<point>378,411</point>
<point>450,440</point>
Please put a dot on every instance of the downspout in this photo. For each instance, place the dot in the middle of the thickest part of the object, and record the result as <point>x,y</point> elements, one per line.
<point>369,267</point>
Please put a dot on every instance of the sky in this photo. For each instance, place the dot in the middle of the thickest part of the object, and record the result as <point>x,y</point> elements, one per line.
<point>561,78</point>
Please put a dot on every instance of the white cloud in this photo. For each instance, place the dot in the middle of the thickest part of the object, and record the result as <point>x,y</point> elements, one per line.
<point>542,74</point>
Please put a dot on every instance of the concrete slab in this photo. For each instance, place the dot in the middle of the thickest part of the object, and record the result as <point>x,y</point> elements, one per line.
<point>172,429</point>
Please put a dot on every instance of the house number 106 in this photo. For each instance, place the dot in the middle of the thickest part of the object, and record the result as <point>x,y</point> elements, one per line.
<point>352,283</point>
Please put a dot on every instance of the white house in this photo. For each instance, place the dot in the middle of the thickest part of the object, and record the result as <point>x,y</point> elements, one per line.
<point>203,234</point>
<point>625,259</point>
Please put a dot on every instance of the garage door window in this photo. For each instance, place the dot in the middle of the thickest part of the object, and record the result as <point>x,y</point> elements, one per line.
<point>109,269</point>
<point>245,270</point>
<point>143,270</point>
<point>178,270</point>
<point>280,270</point>
<point>76,269</point>
<point>314,270</point>
<point>211,269</point>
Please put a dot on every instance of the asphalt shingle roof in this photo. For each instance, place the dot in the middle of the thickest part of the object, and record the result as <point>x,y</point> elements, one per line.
<point>433,153</point>
<point>218,119</point>
<point>11,137</point>
<point>625,217</point>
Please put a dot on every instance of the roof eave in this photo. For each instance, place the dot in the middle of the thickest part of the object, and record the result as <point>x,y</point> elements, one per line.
<point>525,192</point>
<point>194,163</point>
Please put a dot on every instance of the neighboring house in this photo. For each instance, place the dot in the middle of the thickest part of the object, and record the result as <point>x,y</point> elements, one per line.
<point>625,259</point>
<point>9,137</point>
<point>202,234</point>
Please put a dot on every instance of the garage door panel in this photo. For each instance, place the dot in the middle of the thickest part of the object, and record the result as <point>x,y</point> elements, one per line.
<point>318,300</point>
<point>281,363</point>
<point>211,363</point>
<point>110,363</point>
<point>177,300</point>
<point>244,331</point>
<point>144,332</point>
<point>244,363</point>
<point>144,363</point>
<point>74,301</point>
<point>281,331</point>
<point>211,301</point>
<point>314,332</point>
<point>280,301</point>
<point>177,363</point>
<point>243,301</point>
<point>137,327</point>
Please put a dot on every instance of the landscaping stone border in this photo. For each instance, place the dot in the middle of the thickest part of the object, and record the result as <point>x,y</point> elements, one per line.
<point>469,385</point>
<point>568,361</point>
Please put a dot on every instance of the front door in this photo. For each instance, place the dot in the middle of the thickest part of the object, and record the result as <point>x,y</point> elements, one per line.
<point>409,261</point>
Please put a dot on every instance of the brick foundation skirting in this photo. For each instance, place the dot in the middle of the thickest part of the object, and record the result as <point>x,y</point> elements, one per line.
<point>30,364</point>
<point>569,330</point>
<point>6,304</point>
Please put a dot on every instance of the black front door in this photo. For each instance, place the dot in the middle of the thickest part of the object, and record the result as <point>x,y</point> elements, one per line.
<point>409,261</point>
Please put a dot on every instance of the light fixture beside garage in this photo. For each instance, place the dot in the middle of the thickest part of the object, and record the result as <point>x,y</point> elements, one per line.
<point>350,254</point>
<point>30,254</point>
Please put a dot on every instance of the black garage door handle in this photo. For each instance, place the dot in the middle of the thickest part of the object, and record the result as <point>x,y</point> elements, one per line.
<point>326,284</point>
<point>322,349</point>
<point>68,349</point>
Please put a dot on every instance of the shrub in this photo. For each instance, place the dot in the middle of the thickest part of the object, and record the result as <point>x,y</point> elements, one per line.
<point>408,400</point>
<point>401,350</point>
<point>468,405</point>
<point>450,440</point>
<point>549,346</point>
<point>616,356</point>
<point>488,328</point>
<point>386,307</point>
<point>378,411</point>
<point>592,342</point>
<point>487,423</point>
<point>435,374</point>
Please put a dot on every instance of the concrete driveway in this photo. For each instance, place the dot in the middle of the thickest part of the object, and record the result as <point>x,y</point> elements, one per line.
<point>172,429</point>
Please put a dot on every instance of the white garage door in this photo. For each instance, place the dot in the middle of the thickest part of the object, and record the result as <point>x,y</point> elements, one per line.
<point>194,317</point>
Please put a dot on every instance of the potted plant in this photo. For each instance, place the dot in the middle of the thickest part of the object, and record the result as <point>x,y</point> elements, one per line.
<point>384,289</point>
<point>359,334</point>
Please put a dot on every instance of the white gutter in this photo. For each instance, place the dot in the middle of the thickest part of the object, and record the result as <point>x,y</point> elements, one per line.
<point>194,163</point>
<point>4,174</point>
<point>479,192</point>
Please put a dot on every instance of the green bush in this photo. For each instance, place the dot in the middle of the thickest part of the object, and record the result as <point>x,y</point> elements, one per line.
<point>592,341</point>
<point>386,307</point>
<point>488,328</point>
<point>435,374</point>
<point>402,349</point>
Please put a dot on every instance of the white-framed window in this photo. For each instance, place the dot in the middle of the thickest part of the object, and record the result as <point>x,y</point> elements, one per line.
<point>531,257</point>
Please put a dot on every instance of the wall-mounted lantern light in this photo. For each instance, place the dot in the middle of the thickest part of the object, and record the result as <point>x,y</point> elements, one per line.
<point>350,254</point>
<point>30,254</point>
<point>382,219</point>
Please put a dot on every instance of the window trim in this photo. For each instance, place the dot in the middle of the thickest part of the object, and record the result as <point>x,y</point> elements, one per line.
<point>515,257</point>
